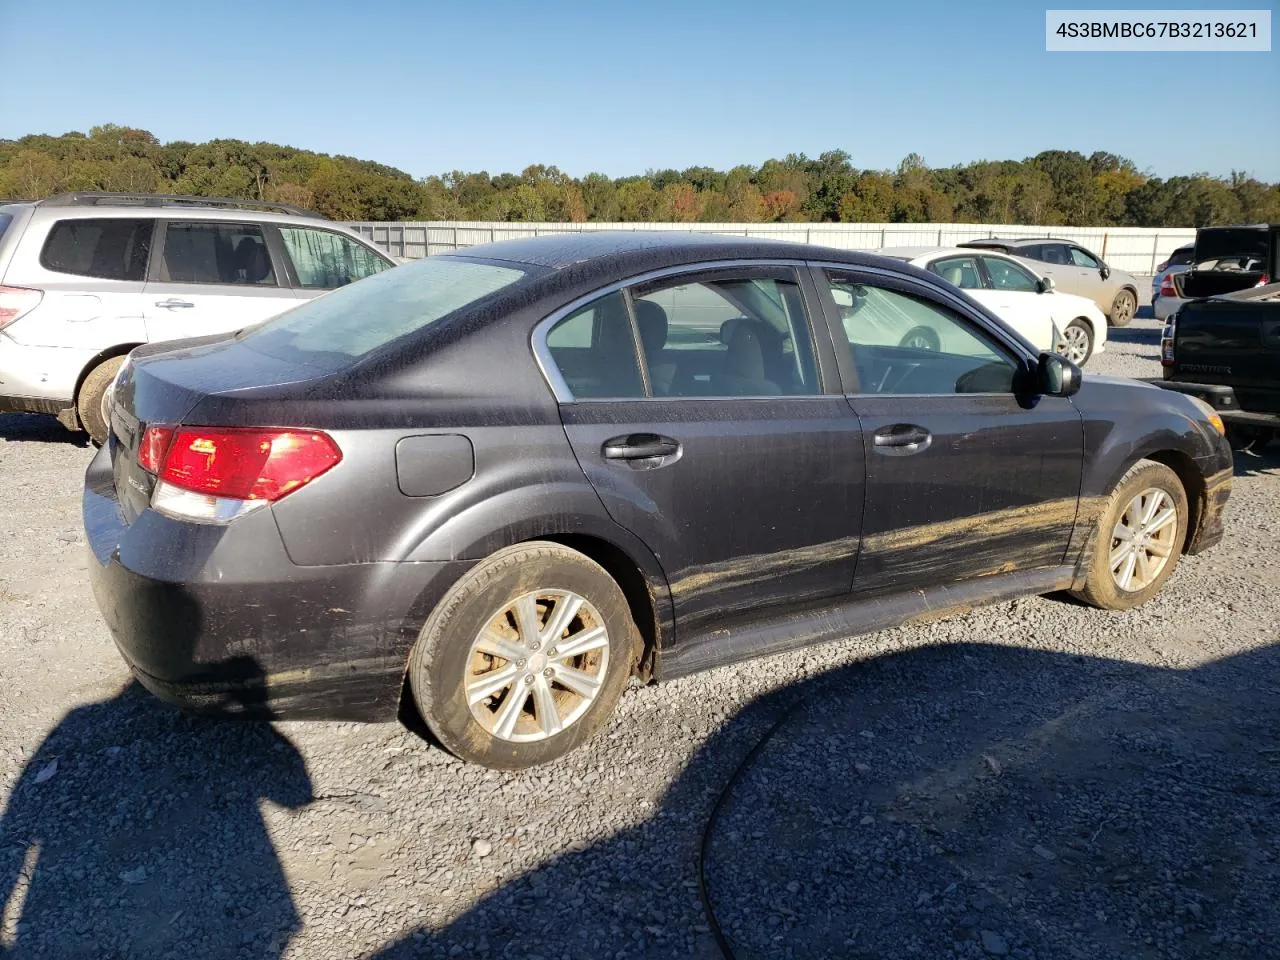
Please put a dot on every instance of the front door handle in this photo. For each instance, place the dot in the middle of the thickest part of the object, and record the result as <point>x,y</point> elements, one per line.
<point>173,303</point>
<point>902,439</point>
<point>640,446</point>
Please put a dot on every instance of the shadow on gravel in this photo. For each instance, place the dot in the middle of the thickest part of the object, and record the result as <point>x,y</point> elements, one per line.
<point>135,831</point>
<point>950,801</point>
<point>38,428</point>
<point>1264,461</point>
<point>1149,336</point>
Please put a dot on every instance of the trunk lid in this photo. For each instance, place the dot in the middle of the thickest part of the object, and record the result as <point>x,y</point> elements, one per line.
<point>164,382</point>
<point>1229,259</point>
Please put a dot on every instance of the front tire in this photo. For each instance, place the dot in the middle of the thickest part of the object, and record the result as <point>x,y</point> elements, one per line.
<point>89,401</point>
<point>1077,342</point>
<point>525,657</point>
<point>1123,307</point>
<point>1139,537</point>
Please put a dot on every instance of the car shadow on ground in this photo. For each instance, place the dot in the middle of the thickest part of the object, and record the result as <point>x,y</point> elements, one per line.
<point>1149,336</point>
<point>110,848</point>
<point>39,428</point>
<point>961,800</point>
<point>1265,460</point>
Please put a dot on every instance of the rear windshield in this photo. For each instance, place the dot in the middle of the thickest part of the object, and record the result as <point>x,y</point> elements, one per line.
<point>354,320</point>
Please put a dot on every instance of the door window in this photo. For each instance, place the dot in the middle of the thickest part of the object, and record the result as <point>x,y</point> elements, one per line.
<point>113,249</point>
<point>1082,259</point>
<point>324,260</point>
<point>961,271</point>
<point>903,344</point>
<point>209,252</point>
<point>726,337</point>
<point>1007,275</point>
<point>1051,253</point>
<point>595,351</point>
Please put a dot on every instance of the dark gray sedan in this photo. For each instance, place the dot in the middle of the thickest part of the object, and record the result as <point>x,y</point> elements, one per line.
<point>491,487</point>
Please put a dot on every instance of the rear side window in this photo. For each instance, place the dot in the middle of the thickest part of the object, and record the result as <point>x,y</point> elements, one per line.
<point>205,252</point>
<point>1051,253</point>
<point>111,249</point>
<point>324,260</point>
<point>961,271</point>
<point>595,351</point>
<point>338,327</point>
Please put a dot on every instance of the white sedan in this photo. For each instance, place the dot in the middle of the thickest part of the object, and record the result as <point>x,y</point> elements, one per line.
<point>1049,319</point>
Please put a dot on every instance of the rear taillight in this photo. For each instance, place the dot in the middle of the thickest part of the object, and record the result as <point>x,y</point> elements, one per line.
<point>1167,336</point>
<point>1167,288</point>
<point>218,473</point>
<point>1261,283</point>
<point>16,301</point>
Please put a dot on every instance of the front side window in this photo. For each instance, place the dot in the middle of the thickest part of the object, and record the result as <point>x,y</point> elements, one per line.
<point>903,344</point>
<point>726,337</point>
<point>1082,259</point>
<point>324,260</point>
<point>341,326</point>
<point>961,271</point>
<point>211,252</point>
<point>111,249</point>
<point>1007,275</point>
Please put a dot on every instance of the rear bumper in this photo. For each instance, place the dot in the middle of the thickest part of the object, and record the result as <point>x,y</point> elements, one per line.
<point>218,619</point>
<point>1223,399</point>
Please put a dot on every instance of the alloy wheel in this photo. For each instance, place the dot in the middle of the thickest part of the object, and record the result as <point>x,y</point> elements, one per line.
<point>1143,539</point>
<point>537,665</point>
<point>1075,344</point>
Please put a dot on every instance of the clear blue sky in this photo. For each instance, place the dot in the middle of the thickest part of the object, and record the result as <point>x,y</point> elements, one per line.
<point>623,87</point>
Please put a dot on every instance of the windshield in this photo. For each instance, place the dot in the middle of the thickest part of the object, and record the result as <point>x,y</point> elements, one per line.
<point>344,325</point>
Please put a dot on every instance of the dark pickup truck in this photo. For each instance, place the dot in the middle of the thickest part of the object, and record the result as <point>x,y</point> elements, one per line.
<point>1223,344</point>
<point>1226,351</point>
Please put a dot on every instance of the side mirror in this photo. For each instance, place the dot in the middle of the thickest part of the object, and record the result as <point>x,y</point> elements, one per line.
<point>1104,271</point>
<point>1056,376</point>
<point>1044,285</point>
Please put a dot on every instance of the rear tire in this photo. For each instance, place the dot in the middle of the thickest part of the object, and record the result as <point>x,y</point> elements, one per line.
<point>1131,554</point>
<point>89,401</point>
<point>921,338</point>
<point>1123,307</point>
<point>487,676</point>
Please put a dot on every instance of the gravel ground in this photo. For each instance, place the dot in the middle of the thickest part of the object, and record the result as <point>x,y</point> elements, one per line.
<point>1036,779</point>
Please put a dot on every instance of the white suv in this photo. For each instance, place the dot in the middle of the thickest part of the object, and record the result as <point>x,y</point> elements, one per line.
<point>86,277</point>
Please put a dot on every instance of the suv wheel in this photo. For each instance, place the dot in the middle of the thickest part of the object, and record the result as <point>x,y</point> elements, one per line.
<point>525,657</point>
<point>1123,307</point>
<point>1138,540</point>
<point>92,392</point>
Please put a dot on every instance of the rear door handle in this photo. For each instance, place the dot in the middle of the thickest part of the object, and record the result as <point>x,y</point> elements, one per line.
<point>902,439</point>
<point>173,303</point>
<point>640,446</point>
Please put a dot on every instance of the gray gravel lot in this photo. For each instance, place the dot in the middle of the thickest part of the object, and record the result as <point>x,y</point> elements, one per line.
<point>1036,779</point>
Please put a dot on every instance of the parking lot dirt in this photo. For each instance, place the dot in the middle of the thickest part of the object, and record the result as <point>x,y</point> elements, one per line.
<point>1035,779</point>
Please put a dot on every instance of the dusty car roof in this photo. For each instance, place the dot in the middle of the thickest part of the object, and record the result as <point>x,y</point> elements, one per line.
<point>653,249</point>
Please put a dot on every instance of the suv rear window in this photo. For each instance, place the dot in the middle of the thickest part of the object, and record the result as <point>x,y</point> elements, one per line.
<point>5,220</point>
<point>349,322</point>
<point>111,249</point>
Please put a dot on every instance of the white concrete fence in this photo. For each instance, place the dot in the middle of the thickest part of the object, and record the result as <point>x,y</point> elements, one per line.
<point>1135,249</point>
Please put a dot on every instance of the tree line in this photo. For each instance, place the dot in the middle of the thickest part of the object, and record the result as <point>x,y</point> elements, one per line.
<point>1053,187</point>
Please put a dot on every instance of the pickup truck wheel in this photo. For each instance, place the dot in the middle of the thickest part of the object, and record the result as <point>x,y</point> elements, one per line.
<point>89,400</point>
<point>1139,537</point>
<point>1077,341</point>
<point>525,657</point>
<point>1123,307</point>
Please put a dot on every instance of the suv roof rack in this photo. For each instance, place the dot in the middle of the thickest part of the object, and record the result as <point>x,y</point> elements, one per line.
<point>94,197</point>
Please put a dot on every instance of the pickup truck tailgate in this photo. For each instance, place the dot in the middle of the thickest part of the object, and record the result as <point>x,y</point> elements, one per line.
<point>1234,341</point>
